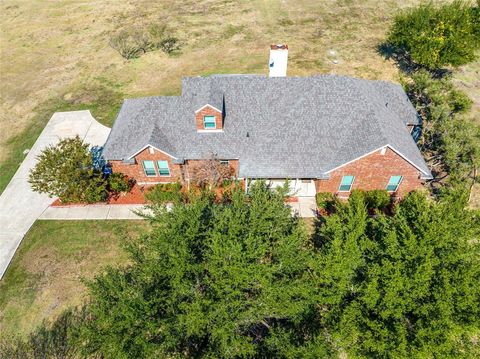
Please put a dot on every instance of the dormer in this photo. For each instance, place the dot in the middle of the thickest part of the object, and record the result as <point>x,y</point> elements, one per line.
<point>209,118</point>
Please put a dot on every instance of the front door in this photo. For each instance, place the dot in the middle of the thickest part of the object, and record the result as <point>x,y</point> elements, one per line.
<point>304,187</point>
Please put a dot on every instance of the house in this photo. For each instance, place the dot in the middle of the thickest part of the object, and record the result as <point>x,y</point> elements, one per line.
<point>325,133</point>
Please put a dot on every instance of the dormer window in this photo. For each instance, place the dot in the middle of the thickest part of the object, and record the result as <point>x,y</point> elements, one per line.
<point>209,122</point>
<point>209,119</point>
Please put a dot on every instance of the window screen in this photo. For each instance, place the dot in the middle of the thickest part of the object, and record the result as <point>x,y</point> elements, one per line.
<point>209,122</point>
<point>394,183</point>
<point>163,168</point>
<point>149,168</point>
<point>346,184</point>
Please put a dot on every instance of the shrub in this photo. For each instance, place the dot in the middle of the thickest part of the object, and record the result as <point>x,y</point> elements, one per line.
<point>118,182</point>
<point>125,45</point>
<point>135,41</point>
<point>377,199</point>
<point>66,171</point>
<point>451,142</point>
<point>164,193</point>
<point>436,36</point>
<point>168,45</point>
<point>324,200</point>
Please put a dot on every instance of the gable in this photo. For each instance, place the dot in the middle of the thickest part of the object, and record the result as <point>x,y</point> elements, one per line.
<point>208,118</point>
<point>381,160</point>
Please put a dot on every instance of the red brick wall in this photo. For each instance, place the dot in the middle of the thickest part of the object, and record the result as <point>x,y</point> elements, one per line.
<point>177,172</point>
<point>136,170</point>
<point>208,111</point>
<point>373,172</point>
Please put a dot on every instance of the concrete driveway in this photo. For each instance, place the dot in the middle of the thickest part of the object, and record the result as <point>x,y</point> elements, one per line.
<point>19,205</point>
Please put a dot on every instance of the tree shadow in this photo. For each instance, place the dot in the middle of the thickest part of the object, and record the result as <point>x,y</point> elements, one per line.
<point>405,63</point>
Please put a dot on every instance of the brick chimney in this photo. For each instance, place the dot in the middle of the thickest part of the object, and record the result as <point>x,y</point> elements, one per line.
<point>278,60</point>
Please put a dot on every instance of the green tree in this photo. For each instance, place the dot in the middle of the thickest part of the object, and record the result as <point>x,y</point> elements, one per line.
<point>405,285</point>
<point>450,141</point>
<point>66,171</point>
<point>436,36</point>
<point>211,280</point>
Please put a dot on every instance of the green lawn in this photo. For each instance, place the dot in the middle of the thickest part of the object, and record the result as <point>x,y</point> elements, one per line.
<point>46,273</point>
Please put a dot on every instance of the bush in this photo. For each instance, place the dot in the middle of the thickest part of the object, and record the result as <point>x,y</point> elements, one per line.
<point>324,200</point>
<point>66,171</point>
<point>118,182</point>
<point>450,141</point>
<point>377,199</point>
<point>133,42</point>
<point>168,45</point>
<point>436,36</point>
<point>165,193</point>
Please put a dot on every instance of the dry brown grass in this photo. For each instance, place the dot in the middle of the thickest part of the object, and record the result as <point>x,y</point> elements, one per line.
<point>53,48</point>
<point>50,48</point>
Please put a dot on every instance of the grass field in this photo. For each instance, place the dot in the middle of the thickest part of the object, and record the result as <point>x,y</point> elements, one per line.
<point>56,55</point>
<point>46,273</point>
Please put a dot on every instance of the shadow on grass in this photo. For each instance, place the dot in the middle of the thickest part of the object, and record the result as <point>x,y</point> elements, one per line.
<point>404,61</point>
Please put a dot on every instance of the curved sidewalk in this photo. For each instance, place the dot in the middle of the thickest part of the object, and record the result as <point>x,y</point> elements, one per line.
<point>19,205</point>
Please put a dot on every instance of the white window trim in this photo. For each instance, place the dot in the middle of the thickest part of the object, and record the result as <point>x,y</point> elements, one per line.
<point>351,184</point>
<point>398,185</point>
<point>214,122</point>
<point>168,167</point>
<point>148,145</point>
<point>145,170</point>
<point>208,105</point>
<point>210,131</point>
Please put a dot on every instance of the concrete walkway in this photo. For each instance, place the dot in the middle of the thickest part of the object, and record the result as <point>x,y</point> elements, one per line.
<point>97,211</point>
<point>306,207</point>
<point>19,205</point>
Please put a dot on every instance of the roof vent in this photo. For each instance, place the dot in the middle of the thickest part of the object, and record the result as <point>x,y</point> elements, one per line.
<point>278,60</point>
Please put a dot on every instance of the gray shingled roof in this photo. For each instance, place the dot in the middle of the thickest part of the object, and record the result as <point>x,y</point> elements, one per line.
<point>298,127</point>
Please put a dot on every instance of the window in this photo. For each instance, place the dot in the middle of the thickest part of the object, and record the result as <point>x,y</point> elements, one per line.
<point>163,168</point>
<point>209,122</point>
<point>149,168</point>
<point>394,183</point>
<point>346,184</point>
<point>224,162</point>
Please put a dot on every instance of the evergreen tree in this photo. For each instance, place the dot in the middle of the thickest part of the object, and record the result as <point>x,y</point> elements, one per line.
<point>212,280</point>
<point>402,286</point>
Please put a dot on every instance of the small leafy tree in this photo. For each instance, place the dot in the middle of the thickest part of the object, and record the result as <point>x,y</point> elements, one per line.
<point>436,36</point>
<point>211,172</point>
<point>66,171</point>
